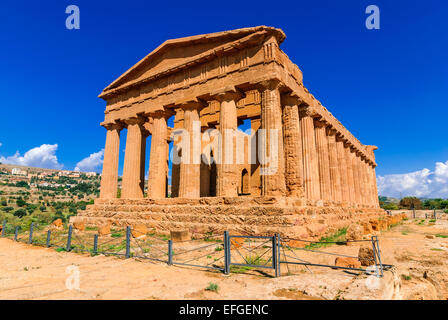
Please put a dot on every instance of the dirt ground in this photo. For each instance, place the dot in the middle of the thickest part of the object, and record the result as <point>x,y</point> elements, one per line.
<point>418,251</point>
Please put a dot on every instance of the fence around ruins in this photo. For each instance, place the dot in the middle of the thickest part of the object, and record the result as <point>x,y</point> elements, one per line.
<point>268,255</point>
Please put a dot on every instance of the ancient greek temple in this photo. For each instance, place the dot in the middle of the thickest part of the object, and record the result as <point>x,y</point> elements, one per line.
<point>208,86</point>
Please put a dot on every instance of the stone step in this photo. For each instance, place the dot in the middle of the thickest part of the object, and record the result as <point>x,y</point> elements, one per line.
<point>164,227</point>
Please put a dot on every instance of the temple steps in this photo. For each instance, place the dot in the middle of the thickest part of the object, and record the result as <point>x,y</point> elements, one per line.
<point>215,215</point>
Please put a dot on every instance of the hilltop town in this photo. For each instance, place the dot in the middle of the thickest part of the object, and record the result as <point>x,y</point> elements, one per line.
<point>29,194</point>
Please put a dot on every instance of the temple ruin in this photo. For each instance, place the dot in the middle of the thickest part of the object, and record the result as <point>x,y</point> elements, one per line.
<point>295,170</point>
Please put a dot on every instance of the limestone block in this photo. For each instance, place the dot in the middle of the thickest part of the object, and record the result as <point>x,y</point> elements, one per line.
<point>79,225</point>
<point>139,231</point>
<point>57,224</point>
<point>347,262</point>
<point>104,229</point>
<point>354,232</point>
<point>179,236</point>
<point>365,256</point>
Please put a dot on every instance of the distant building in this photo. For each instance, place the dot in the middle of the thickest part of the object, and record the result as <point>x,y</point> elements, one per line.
<point>91,174</point>
<point>19,172</point>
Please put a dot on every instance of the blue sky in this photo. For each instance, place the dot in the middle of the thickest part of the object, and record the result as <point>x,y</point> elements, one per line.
<point>387,86</point>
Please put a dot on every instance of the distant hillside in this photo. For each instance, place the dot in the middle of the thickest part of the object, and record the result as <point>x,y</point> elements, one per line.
<point>9,167</point>
<point>389,199</point>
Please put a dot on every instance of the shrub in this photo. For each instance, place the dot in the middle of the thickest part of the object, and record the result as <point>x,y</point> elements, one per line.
<point>212,287</point>
<point>20,202</point>
<point>20,213</point>
<point>7,209</point>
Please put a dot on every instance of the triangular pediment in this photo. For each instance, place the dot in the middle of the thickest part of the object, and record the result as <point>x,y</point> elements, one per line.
<point>176,54</point>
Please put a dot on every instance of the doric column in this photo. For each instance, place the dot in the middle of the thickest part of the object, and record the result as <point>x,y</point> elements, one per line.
<point>272,157</point>
<point>335,176</point>
<point>323,159</point>
<point>255,179</point>
<point>356,177</point>
<point>227,173</point>
<point>343,171</point>
<point>375,187</point>
<point>310,160</point>
<point>190,175</point>
<point>109,178</point>
<point>363,180</point>
<point>292,137</point>
<point>158,158</point>
<point>350,176</point>
<point>369,184</point>
<point>132,169</point>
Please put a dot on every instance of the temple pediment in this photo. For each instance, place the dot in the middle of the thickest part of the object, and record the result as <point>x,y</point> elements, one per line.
<point>177,54</point>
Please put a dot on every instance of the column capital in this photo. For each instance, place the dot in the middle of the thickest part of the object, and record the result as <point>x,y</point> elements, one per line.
<point>135,120</point>
<point>331,131</point>
<point>269,84</point>
<point>290,99</point>
<point>165,113</point>
<point>319,123</point>
<point>307,111</point>
<point>227,94</point>
<point>112,126</point>
<point>194,103</point>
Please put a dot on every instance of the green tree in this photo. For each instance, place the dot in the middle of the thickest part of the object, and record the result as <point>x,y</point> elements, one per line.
<point>20,213</point>
<point>390,206</point>
<point>7,209</point>
<point>20,202</point>
<point>410,203</point>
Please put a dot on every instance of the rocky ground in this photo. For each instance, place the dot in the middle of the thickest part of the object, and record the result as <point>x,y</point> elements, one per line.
<point>416,248</point>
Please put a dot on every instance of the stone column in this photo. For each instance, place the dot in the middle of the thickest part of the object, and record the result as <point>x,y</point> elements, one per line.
<point>310,160</point>
<point>363,180</point>
<point>255,179</point>
<point>158,159</point>
<point>335,176</point>
<point>350,176</point>
<point>356,177</point>
<point>292,136</point>
<point>343,171</point>
<point>323,160</point>
<point>376,203</point>
<point>132,169</point>
<point>190,171</point>
<point>227,173</point>
<point>272,158</point>
<point>369,184</point>
<point>109,178</point>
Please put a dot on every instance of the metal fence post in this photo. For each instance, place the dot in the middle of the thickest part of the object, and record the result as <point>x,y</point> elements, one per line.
<point>413,210</point>
<point>170,252</point>
<point>374,255</point>
<point>95,244</point>
<point>379,254</point>
<point>279,245</point>
<point>4,228</point>
<point>274,255</point>
<point>30,238</point>
<point>128,242</point>
<point>226,253</point>
<point>69,238</point>
<point>15,233</point>
<point>48,238</point>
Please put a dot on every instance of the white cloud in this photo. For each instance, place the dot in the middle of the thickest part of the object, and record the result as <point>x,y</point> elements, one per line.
<point>91,163</point>
<point>41,157</point>
<point>422,183</point>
